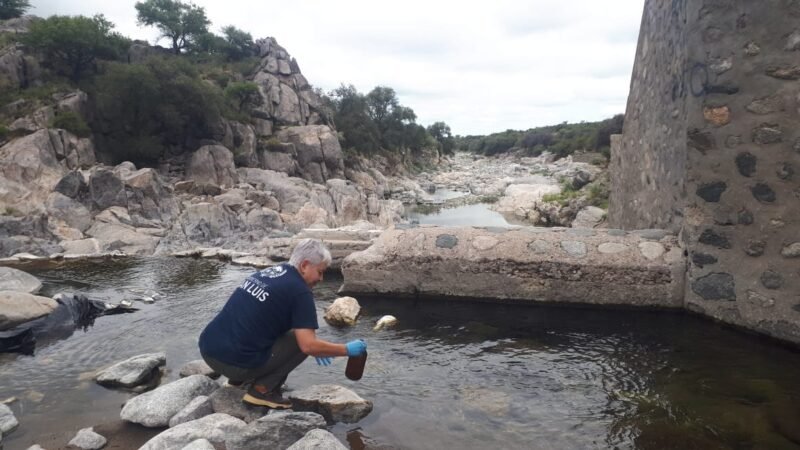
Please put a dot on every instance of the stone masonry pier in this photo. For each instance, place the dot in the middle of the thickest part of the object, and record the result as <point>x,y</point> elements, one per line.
<point>556,265</point>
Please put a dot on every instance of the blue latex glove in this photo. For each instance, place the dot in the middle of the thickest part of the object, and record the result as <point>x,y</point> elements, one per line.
<point>323,360</point>
<point>356,348</point>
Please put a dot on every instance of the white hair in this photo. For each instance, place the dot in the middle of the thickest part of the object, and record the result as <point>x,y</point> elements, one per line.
<point>311,250</point>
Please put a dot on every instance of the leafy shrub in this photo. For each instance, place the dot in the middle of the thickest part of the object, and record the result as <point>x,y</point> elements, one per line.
<point>68,120</point>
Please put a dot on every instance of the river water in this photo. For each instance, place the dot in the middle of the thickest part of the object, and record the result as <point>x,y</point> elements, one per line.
<point>450,375</point>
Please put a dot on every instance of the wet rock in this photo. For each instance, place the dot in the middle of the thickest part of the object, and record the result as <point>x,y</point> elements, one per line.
<point>155,408</point>
<point>343,312</point>
<point>200,444</point>
<point>228,400</point>
<point>715,286</point>
<point>216,428</point>
<point>197,367</point>
<point>771,279</point>
<point>278,430</point>
<point>335,403</point>
<point>385,322</point>
<point>17,280</point>
<point>87,439</point>
<point>710,237</point>
<point>132,371</point>
<point>199,407</point>
<point>318,440</point>
<point>19,307</point>
<point>711,192</point>
<point>8,422</point>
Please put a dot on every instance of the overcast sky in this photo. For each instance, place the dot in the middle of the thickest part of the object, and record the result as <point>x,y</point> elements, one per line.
<point>480,66</point>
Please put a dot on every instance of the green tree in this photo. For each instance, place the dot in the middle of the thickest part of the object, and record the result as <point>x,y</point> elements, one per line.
<point>244,95</point>
<point>146,111</point>
<point>240,43</point>
<point>381,101</point>
<point>441,132</point>
<point>179,22</point>
<point>72,44</point>
<point>10,9</point>
<point>353,121</point>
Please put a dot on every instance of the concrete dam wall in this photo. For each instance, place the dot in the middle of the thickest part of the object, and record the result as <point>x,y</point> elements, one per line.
<point>711,150</point>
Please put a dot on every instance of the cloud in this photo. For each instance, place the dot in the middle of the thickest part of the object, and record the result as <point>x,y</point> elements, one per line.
<point>481,67</point>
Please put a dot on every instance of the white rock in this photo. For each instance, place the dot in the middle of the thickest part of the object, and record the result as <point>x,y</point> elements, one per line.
<point>318,440</point>
<point>335,403</point>
<point>155,408</point>
<point>19,307</point>
<point>343,312</point>
<point>385,322</point>
<point>200,444</point>
<point>199,407</point>
<point>132,371</point>
<point>8,422</point>
<point>214,428</point>
<point>87,439</point>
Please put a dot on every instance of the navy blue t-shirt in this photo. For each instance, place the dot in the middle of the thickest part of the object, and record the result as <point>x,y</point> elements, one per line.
<point>267,305</point>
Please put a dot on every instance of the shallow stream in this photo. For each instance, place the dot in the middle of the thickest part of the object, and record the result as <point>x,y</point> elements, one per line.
<point>450,375</point>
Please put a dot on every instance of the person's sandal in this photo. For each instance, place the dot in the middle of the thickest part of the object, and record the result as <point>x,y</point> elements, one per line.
<point>259,396</point>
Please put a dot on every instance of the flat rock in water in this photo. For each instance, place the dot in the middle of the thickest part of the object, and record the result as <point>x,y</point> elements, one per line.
<point>17,280</point>
<point>278,430</point>
<point>8,422</point>
<point>155,408</point>
<point>336,403</point>
<point>343,312</point>
<point>198,367</point>
<point>196,409</point>
<point>216,428</point>
<point>87,439</point>
<point>318,440</point>
<point>259,262</point>
<point>131,372</point>
<point>228,400</point>
<point>19,307</point>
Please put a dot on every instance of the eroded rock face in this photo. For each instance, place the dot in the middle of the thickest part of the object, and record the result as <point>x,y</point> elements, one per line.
<point>319,155</point>
<point>155,408</point>
<point>29,169</point>
<point>212,164</point>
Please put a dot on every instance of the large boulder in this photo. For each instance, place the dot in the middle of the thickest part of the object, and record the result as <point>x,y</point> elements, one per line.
<point>343,312</point>
<point>69,211</point>
<point>29,169</point>
<point>216,428</point>
<point>278,430</point>
<point>16,280</point>
<point>349,202</point>
<point>149,198</point>
<point>319,155</point>
<point>19,307</point>
<point>74,151</point>
<point>132,371</point>
<point>318,440</point>
<point>291,192</point>
<point>335,403</point>
<point>198,408</point>
<point>207,222</point>
<point>155,408</point>
<point>241,139</point>
<point>124,238</point>
<point>212,164</point>
<point>72,185</point>
<point>106,189</point>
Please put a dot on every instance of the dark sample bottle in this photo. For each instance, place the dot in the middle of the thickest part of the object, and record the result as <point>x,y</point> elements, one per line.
<point>355,366</point>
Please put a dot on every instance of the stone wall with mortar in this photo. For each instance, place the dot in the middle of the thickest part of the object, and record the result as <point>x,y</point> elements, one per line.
<point>648,163</point>
<point>736,164</point>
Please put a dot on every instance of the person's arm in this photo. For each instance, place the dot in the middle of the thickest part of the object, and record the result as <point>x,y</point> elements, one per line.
<point>310,345</point>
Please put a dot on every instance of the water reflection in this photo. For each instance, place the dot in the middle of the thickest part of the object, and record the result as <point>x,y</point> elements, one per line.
<point>448,375</point>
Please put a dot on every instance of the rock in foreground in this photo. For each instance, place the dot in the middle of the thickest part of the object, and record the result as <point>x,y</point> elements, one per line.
<point>216,428</point>
<point>19,307</point>
<point>318,440</point>
<point>278,430</point>
<point>155,408</point>
<point>335,403</point>
<point>16,280</point>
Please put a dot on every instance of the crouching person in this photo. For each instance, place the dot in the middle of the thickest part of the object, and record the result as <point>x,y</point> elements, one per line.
<point>267,327</point>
